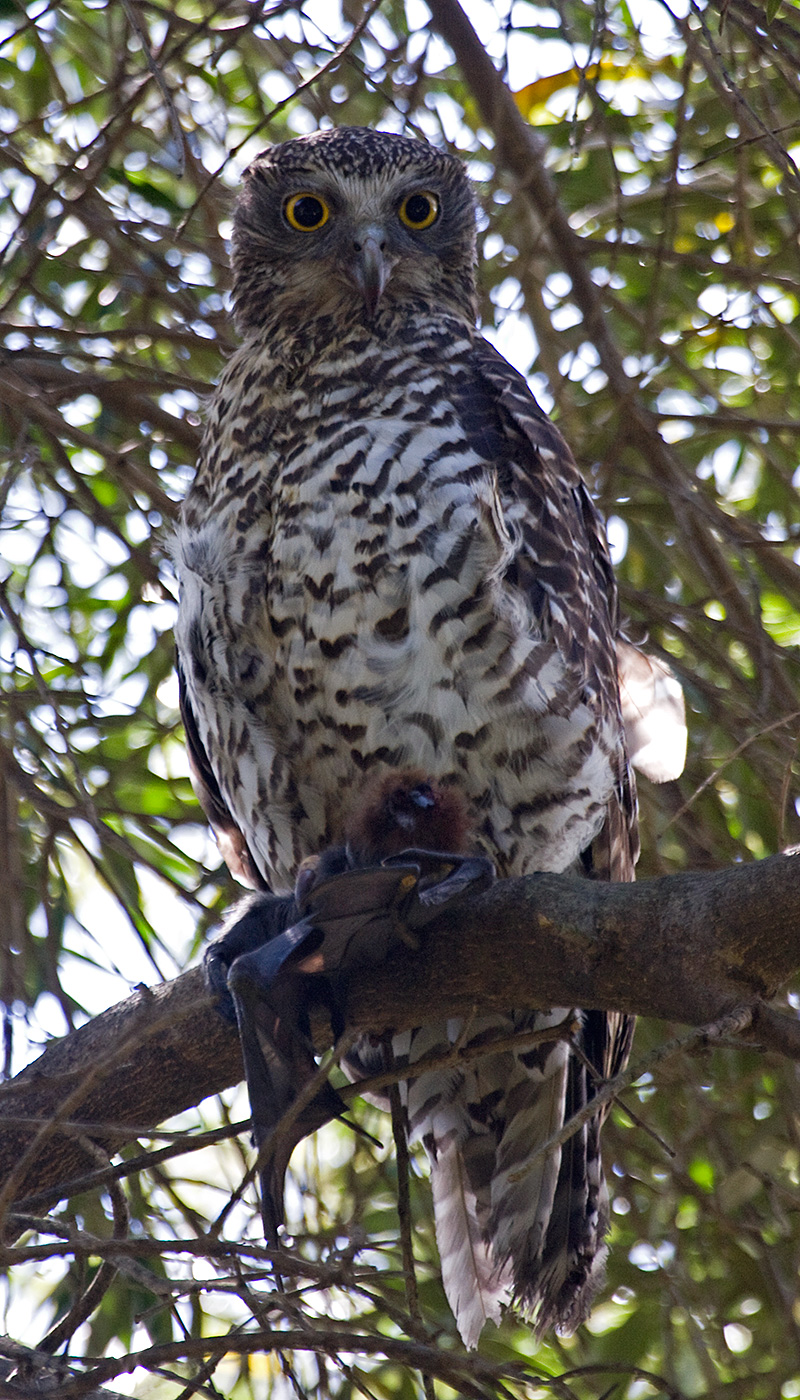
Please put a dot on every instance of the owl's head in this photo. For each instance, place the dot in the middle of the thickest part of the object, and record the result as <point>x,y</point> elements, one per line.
<point>352,223</point>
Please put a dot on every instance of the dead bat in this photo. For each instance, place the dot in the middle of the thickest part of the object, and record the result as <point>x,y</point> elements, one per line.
<point>280,958</point>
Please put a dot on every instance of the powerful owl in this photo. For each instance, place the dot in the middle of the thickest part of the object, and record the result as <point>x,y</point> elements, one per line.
<point>388,559</point>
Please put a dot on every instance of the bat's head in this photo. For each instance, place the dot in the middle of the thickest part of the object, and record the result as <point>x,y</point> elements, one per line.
<point>405,807</point>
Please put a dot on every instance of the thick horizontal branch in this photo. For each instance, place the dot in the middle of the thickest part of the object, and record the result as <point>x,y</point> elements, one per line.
<point>153,1055</point>
<point>686,948</point>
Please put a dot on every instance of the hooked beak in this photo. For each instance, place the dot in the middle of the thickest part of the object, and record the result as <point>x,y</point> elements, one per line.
<point>371,268</point>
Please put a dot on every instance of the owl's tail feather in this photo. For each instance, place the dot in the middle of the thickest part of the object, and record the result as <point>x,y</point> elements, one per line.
<point>444,1112</point>
<point>524,1186</point>
<point>575,1252</point>
<point>571,1268</point>
<point>475,1288</point>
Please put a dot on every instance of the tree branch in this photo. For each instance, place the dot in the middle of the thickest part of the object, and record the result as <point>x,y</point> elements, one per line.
<point>687,948</point>
<point>521,150</point>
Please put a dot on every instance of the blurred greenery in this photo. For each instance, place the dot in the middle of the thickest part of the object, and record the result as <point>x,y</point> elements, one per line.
<point>671,133</point>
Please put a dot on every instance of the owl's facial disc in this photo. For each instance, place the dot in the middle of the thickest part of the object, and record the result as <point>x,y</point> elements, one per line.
<point>371,265</point>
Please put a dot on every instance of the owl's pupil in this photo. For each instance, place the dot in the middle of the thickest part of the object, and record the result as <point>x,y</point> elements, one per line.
<point>308,211</point>
<point>418,209</point>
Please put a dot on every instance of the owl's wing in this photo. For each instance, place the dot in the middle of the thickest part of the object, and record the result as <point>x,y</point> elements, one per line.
<point>566,572</point>
<point>549,1217</point>
<point>563,565</point>
<point>230,837</point>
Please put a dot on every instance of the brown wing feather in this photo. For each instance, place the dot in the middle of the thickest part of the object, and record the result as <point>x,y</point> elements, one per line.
<point>592,597</point>
<point>230,838</point>
<point>572,587</point>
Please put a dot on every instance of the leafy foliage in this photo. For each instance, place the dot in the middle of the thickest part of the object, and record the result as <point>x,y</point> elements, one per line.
<point>125,127</point>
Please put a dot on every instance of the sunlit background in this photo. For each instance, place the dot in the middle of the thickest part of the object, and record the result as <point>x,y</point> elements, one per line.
<point>114,323</point>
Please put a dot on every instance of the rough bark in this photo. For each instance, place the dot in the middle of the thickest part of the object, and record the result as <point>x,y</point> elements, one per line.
<point>687,948</point>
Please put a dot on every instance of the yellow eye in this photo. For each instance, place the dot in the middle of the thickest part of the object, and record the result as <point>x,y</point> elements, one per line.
<point>306,211</point>
<point>419,210</point>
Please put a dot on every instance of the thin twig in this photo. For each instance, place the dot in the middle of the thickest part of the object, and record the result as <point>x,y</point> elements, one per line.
<point>734,1023</point>
<point>85,1305</point>
<point>404,1207</point>
<point>645,1127</point>
<point>181,1143</point>
<point>273,112</point>
<point>740,749</point>
<point>174,122</point>
<point>460,1054</point>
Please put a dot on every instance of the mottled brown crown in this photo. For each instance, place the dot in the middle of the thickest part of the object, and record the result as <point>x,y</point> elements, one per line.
<point>405,807</point>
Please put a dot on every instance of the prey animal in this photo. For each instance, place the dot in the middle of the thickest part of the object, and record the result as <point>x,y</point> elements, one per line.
<point>279,959</point>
